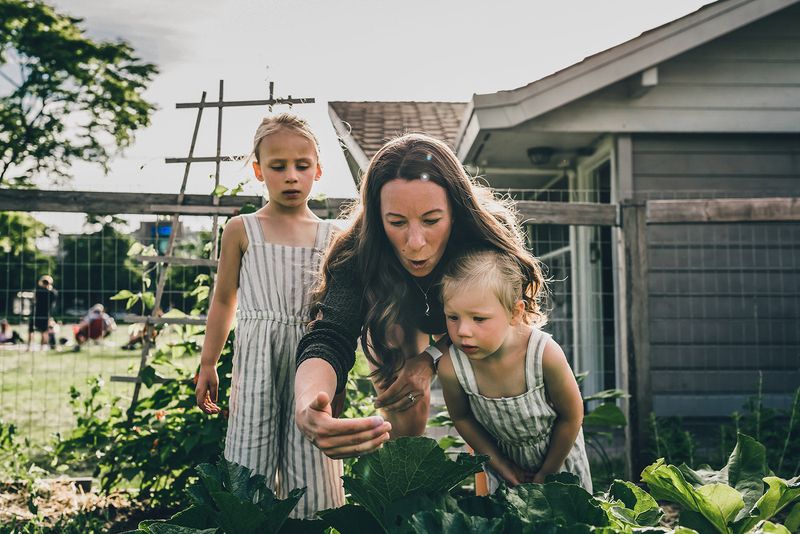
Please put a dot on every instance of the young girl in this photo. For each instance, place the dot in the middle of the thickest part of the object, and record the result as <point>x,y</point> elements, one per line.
<point>268,262</point>
<point>507,385</point>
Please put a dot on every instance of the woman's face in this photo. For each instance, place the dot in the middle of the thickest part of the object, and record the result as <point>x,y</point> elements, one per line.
<point>417,219</point>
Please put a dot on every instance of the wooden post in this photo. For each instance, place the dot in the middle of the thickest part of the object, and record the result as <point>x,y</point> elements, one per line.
<point>637,339</point>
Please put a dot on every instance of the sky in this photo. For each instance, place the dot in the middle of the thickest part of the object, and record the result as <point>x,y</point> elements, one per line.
<point>431,50</point>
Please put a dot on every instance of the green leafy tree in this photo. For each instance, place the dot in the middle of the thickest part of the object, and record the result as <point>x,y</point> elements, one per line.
<point>94,266</point>
<point>63,96</point>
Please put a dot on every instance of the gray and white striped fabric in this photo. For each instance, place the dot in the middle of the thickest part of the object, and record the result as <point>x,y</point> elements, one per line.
<point>273,304</point>
<point>522,424</point>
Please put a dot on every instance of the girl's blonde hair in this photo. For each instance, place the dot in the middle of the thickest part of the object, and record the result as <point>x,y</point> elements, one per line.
<point>491,270</point>
<point>283,121</point>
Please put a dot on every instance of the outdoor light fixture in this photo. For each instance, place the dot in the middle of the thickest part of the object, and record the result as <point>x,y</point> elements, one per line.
<point>540,155</point>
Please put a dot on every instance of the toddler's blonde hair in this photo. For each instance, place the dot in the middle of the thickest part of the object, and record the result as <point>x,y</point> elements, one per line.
<point>491,271</point>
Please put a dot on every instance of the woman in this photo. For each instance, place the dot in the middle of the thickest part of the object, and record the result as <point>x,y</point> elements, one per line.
<point>380,285</point>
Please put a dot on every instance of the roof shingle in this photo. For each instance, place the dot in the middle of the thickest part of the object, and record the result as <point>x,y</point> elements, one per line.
<point>374,123</point>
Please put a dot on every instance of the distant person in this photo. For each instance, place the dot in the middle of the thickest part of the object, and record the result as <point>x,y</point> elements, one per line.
<point>7,335</point>
<point>44,299</point>
<point>96,324</point>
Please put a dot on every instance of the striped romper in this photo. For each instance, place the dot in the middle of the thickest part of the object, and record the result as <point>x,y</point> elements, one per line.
<point>273,307</point>
<point>522,424</point>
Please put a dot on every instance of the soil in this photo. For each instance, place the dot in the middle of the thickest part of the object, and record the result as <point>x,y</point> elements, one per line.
<point>57,500</point>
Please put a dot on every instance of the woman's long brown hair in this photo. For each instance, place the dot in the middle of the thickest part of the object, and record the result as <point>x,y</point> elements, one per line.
<point>479,219</point>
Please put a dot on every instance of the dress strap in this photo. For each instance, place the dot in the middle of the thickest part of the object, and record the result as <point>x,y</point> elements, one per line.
<point>252,228</point>
<point>533,359</point>
<point>323,232</point>
<point>464,372</point>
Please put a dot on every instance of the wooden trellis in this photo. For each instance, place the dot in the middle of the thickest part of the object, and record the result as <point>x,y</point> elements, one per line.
<point>216,210</point>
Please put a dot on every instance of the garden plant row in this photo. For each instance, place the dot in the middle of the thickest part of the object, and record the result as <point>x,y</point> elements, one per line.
<point>406,487</point>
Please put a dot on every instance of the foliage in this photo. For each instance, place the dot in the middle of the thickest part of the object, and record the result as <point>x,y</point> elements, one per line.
<point>69,98</point>
<point>405,487</point>
<point>734,500</point>
<point>164,435</point>
<point>778,430</point>
<point>229,498</point>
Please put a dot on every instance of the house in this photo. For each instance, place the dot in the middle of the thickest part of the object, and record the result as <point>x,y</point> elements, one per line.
<point>706,106</point>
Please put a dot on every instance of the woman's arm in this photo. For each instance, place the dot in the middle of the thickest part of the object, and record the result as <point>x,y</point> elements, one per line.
<point>220,313</point>
<point>405,401</point>
<point>325,356</point>
<point>471,430</point>
<point>565,396</point>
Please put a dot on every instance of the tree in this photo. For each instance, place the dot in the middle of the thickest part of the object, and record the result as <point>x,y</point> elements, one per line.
<point>63,97</point>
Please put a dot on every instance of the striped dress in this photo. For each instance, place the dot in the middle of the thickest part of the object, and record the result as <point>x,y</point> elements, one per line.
<point>273,307</point>
<point>522,424</point>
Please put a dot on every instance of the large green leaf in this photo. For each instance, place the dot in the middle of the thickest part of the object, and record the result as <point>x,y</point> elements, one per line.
<point>637,508</point>
<point>238,516</point>
<point>605,415</point>
<point>572,504</point>
<point>747,467</point>
<point>403,467</point>
<point>780,494</point>
<point>717,503</point>
<point>767,527</point>
<point>565,505</point>
<point>793,519</point>
<point>454,523</point>
<point>350,518</point>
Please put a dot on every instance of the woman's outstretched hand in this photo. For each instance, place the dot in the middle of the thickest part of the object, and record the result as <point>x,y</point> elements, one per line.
<point>339,438</point>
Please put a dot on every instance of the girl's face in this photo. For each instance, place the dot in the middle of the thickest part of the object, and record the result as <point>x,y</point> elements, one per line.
<point>288,166</point>
<point>478,323</point>
<point>417,219</point>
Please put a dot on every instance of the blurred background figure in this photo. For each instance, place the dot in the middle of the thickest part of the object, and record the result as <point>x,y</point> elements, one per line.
<point>96,324</point>
<point>44,300</point>
<point>7,335</point>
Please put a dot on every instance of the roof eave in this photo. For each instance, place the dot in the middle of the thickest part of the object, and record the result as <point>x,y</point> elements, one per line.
<point>343,131</point>
<point>506,109</point>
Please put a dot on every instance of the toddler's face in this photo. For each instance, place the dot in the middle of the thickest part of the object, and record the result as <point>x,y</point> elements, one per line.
<point>288,166</point>
<point>477,322</point>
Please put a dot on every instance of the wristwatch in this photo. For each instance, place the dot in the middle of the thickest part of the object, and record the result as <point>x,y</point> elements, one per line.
<point>435,353</point>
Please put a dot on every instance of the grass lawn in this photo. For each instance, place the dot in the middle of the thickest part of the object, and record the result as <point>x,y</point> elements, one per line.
<point>34,385</point>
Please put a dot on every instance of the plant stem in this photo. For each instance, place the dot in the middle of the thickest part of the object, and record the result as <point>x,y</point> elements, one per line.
<point>795,404</point>
<point>759,405</point>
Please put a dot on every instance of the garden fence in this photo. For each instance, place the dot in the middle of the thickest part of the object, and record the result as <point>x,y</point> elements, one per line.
<point>689,305</point>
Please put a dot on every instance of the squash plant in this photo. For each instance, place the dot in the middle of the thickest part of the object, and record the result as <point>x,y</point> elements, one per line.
<point>406,487</point>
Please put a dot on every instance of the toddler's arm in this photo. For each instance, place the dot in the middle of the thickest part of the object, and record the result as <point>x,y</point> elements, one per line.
<point>565,396</point>
<point>221,313</point>
<point>470,429</point>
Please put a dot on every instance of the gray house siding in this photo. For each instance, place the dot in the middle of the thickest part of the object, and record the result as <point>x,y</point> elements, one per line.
<point>724,299</point>
<point>746,81</point>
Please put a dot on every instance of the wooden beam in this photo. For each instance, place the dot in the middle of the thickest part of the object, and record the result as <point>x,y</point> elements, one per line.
<point>188,320</point>
<point>176,260</point>
<point>205,159</point>
<point>239,103</point>
<point>637,329</point>
<point>573,213</point>
<point>141,203</point>
<point>723,210</point>
<point>167,209</point>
